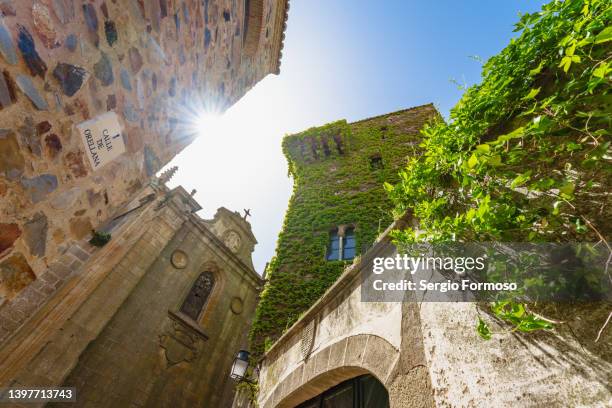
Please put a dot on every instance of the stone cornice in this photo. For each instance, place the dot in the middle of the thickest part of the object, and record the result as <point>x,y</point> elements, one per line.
<point>278,36</point>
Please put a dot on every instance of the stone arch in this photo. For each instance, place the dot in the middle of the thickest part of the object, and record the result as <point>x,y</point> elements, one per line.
<point>345,359</point>
<point>215,292</point>
<point>216,295</point>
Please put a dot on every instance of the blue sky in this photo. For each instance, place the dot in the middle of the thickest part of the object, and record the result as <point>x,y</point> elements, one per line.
<point>342,59</point>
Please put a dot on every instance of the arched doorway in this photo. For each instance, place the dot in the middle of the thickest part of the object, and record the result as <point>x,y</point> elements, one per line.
<point>364,391</point>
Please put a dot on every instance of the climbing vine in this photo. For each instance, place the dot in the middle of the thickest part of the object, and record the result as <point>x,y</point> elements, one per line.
<point>335,184</point>
<point>525,156</point>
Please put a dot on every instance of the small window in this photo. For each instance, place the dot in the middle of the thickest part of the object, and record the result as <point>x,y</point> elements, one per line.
<point>376,162</point>
<point>198,295</point>
<point>342,244</point>
<point>383,132</point>
<point>333,249</point>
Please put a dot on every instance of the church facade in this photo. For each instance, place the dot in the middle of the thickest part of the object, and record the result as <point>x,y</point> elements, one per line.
<point>153,318</point>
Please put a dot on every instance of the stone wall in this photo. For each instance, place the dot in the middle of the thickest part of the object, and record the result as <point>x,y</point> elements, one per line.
<point>114,330</point>
<point>426,354</point>
<point>150,63</point>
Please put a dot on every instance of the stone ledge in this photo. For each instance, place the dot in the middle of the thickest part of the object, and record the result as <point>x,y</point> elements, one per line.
<point>188,323</point>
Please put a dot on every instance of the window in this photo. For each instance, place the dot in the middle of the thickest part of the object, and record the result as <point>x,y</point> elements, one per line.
<point>348,249</point>
<point>333,250</point>
<point>360,392</point>
<point>376,162</point>
<point>198,295</point>
<point>342,244</point>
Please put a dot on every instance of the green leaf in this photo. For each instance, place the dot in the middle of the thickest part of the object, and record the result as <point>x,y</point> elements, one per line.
<point>518,132</point>
<point>566,63</point>
<point>483,148</point>
<point>580,227</point>
<point>601,71</point>
<point>494,160</point>
<point>532,94</point>
<point>531,323</point>
<point>473,161</point>
<point>604,36</point>
<point>567,188</point>
<point>520,179</point>
<point>536,70</point>
<point>483,329</point>
<point>498,307</point>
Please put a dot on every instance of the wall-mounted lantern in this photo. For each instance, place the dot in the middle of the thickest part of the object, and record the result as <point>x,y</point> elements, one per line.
<point>239,368</point>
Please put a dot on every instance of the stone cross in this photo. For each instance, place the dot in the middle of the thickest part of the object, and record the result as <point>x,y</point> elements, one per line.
<point>247,213</point>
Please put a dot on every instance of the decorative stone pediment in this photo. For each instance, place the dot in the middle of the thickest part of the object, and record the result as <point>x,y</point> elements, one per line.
<point>234,231</point>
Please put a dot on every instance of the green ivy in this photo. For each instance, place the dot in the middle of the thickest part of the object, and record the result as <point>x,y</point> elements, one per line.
<point>334,184</point>
<point>525,155</point>
<point>99,238</point>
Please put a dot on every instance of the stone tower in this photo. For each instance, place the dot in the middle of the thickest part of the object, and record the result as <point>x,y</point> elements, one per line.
<point>95,97</point>
<point>337,209</point>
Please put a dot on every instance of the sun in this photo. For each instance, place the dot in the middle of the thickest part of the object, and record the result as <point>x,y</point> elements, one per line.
<point>209,124</point>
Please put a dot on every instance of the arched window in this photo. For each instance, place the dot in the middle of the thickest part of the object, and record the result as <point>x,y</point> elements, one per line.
<point>198,295</point>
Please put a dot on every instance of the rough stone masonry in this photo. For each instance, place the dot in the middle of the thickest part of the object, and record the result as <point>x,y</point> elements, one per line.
<point>128,68</point>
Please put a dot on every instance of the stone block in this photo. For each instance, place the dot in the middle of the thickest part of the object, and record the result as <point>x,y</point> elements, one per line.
<point>7,47</point>
<point>79,253</point>
<point>80,227</point>
<point>11,160</point>
<point>320,360</point>
<point>35,234</point>
<point>7,92</point>
<point>70,77</point>
<point>60,270</point>
<point>9,233</point>
<point>43,25</point>
<point>336,354</point>
<point>26,45</point>
<point>15,274</point>
<point>38,187</point>
<point>379,358</point>
<point>355,350</point>
<point>103,70</point>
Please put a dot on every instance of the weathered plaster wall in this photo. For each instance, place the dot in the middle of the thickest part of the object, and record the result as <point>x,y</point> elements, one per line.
<point>63,62</point>
<point>349,337</point>
<point>116,334</point>
<point>440,360</point>
<point>522,370</point>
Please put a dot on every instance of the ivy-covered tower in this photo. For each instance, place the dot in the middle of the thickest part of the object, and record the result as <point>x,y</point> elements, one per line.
<point>337,209</point>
